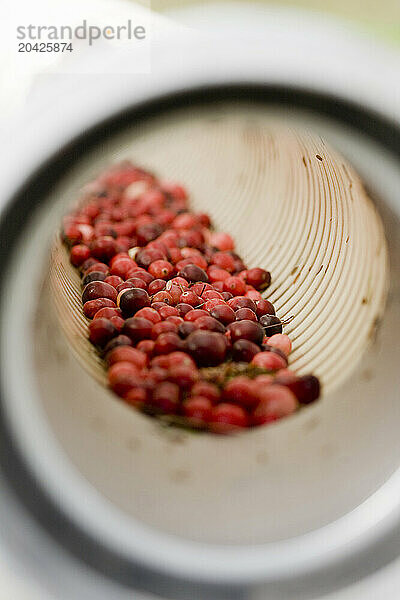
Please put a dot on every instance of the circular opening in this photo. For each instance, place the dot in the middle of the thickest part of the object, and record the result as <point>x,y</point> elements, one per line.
<point>144,489</point>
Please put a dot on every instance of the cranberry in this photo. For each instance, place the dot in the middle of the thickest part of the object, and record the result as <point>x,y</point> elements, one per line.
<point>167,343</point>
<point>98,267</point>
<point>122,266</point>
<point>185,328</point>
<point>107,313</point>
<point>227,296</point>
<point>162,327</point>
<point>143,275</point>
<point>116,342</point>
<point>269,360</point>
<point>242,302</point>
<point>146,347</point>
<point>184,376</point>
<point>222,241</point>
<point>198,410</point>
<point>190,298</point>
<point>227,417</point>
<point>132,300</point>
<point>306,388</point>
<point>79,254</point>
<point>166,397</point>
<point>99,289</point>
<point>193,273</point>
<point>148,232</point>
<point>156,286</point>
<point>246,313</point>
<point>136,397</point>
<point>282,342</point>
<point>91,307</point>
<point>258,278</point>
<point>209,323</point>
<point>271,324</point>
<point>162,296</point>
<point>137,329</point>
<point>72,234</point>
<point>223,313</point>
<point>276,401</point>
<point>244,351</point>
<point>207,390</point>
<point>149,313</point>
<point>246,330</point>
<point>104,248</point>
<point>167,311</point>
<point>195,314</point>
<point>183,308</point>
<point>101,331</point>
<point>94,276</point>
<point>241,390</point>
<point>208,348</point>
<point>123,376</point>
<point>161,269</point>
<point>224,260</point>
<point>264,307</point>
<point>216,274</point>
<point>145,257</point>
<point>125,353</point>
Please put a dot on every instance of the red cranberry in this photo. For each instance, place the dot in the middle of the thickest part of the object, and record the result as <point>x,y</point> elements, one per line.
<point>101,331</point>
<point>183,309</point>
<point>246,313</point>
<point>162,296</point>
<point>156,286</point>
<point>222,241</point>
<point>98,289</point>
<point>258,278</point>
<point>161,269</point>
<point>79,254</point>
<point>184,376</point>
<point>107,313</point>
<point>132,300</point>
<point>97,267</point>
<point>91,307</point>
<point>306,388</point>
<point>167,343</point>
<point>244,351</point>
<point>223,313</point>
<point>137,329</point>
<point>145,257</point>
<point>150,314</point>
<point>209,324</point>
<point>168,311</point>
<point>123,376</point>
<point>226,418</point>
<point>118,341</point>
<point>162,327</point>
<point>271,324</point>
<point>185,328</point>
<point>264,307</point>
<point>146,347</point>
<point>166,397</point>
<point>242,302</point>
<point>147,233</point>
<point>241,390</point>
<point>126,353</point>
<point>122,266</point>
<point>189,297</point>
<point>246,330</point>
<point>94,276</point>
<point>198,409</point>
<point>104,248</point>
<point>206,389</point>
<point>195,314</point>
<point>193,273</point>
<point>208,348</point>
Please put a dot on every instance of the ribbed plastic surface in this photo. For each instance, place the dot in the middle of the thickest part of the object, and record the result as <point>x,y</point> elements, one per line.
<point>293,205</point>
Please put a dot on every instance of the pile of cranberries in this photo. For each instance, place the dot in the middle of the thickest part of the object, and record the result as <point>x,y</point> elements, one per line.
<point>178,317</point>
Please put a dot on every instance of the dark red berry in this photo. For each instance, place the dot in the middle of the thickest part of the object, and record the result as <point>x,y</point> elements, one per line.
<point>264,307</point>
<point>133,300</point>
<point>244,351</point>
<point>101,331</point>
<point>246,330</point>
<point>99,289</point>
<point>208,348</point>
<point>94,276</point>
<point>271,324</point>
<point>193,273</point>
<point>246,313</point>
<point>306,388</point>
<point>137,329</point>
<point>210,324</point>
